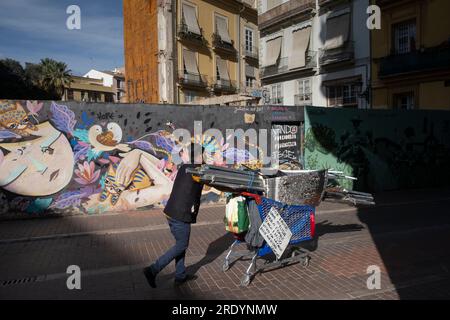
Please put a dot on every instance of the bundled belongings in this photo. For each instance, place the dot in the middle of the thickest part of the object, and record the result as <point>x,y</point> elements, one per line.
<point>236,217</point>
<point>293,187</point>
<point>232,180</point>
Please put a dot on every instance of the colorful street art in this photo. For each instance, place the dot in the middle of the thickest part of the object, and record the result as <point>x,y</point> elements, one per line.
<point>57,161</point>
<point>384,149</point>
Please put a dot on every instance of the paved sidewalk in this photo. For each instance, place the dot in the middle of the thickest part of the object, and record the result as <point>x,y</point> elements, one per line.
<point>406,235</point>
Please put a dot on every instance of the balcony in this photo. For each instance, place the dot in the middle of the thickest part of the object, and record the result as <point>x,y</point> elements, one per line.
<point>417,61</point>
<point>276,101</point>
<point>250,52</point>
<point>186,35</point>
<point>302,99</point>
<point>221,85</point>
<point>224,46</point>
<point>285,11</point>
<point>192,80</point>
<point>345,53</point>
<point>283,66</point>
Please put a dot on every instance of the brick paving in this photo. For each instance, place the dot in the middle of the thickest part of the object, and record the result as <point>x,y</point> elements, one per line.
<point>407,236</point>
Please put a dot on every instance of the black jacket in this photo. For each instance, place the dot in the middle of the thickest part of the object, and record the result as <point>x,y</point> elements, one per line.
<point>184,201</point>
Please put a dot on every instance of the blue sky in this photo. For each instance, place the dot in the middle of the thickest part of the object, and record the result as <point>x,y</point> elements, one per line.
<point>34,29</point>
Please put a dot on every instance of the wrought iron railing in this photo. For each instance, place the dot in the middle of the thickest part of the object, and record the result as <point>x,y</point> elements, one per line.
<point>250,51</point>
<point>344,53</point>
<point>277,101</point>
<point>185,34</point>
<point>224,85</point>
<point>192,79</point>
<point>220,44</point>
<point>282,65</point>
<point>428,59</point>
<point>284,12</point>
<point>302,99</point>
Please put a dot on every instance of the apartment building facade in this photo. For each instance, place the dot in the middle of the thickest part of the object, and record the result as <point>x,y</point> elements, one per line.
<point>191,51</point>
<point>88,90</point>
<point>411,55</point>
<point>114,79</point>
<point>315,52</point>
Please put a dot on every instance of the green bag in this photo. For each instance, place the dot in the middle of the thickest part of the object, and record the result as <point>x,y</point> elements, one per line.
<point>236,215</point>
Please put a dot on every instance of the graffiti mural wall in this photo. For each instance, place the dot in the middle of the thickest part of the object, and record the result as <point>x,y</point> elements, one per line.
<point>93,158</point>
<point>384,149</point>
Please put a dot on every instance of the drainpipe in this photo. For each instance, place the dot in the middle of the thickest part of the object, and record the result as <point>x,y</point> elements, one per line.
<point>174,52</point>
<point>240,48</point>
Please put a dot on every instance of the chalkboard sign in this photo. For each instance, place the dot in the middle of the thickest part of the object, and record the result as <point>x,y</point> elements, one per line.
<point>288,143</point>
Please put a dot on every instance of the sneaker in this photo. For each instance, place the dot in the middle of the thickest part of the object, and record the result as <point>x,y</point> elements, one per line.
<point>150,276</point>
<point>188,277</point>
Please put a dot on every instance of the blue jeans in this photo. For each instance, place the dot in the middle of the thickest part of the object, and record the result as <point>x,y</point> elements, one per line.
<point>181,232</point>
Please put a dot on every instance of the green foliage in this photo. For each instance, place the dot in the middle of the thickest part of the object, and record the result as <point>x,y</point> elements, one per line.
<point>43,81</point>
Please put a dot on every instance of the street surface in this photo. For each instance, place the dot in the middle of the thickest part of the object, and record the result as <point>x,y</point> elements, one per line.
<point>407,236</point>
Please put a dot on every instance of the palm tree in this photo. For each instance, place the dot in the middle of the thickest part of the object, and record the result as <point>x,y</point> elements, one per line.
<point>55,76</point>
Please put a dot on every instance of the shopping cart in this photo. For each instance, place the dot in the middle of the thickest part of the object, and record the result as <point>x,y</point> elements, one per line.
<point>300,220</point>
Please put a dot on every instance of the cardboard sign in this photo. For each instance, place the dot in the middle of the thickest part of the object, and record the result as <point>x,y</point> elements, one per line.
<point>276,232</point>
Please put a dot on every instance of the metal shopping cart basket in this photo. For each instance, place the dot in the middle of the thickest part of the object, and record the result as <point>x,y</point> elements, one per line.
<point>301,222</point>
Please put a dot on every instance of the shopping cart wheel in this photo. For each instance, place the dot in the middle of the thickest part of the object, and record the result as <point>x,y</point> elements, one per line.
<point>245,280</point>
<point>306,261</point>
<point>226,266</point>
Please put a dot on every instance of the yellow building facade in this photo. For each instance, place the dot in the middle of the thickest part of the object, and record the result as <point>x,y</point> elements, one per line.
<point>186,51</point>
<point>216,48</point>
<point>411,55</point>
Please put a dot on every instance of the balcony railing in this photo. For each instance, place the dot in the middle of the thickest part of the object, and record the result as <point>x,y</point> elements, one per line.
<point>250,52</point>
<point>417,61</point>
<point>284,12</point>
<point>283,66</point>
<point>186,79</point>
<point>302,99</point>
<point>219,44</point>
<point>224,85</point>
<point>336,55</point>
<point>278,100</point>
<point>185,34</point>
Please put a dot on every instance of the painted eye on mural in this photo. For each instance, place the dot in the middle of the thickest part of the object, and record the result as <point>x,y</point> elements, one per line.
<point>12,125</point>
<point>25,121</point>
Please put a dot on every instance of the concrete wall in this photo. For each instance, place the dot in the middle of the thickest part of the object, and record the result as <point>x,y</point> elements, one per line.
<point>384,149</point>
<point>60,160</point>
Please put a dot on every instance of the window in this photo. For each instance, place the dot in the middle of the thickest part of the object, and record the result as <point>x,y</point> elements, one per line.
<point>189,96</point>
<point>304,92</point>
<point>84,96</point>
<point>404,37</point>
<point>93,97</point>
<point>221,30</point>
<point>249,40</point>
<point>249,82</point>
<point>276,94</point>
<point>190,19</point>
<point>404,101</point>
<point>109,97</point>
<point>70,94</point>
<point>343,95</point>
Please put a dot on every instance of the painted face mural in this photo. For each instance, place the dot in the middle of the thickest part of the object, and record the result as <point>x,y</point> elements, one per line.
<point>40,164</point>
<point>72,163</point>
